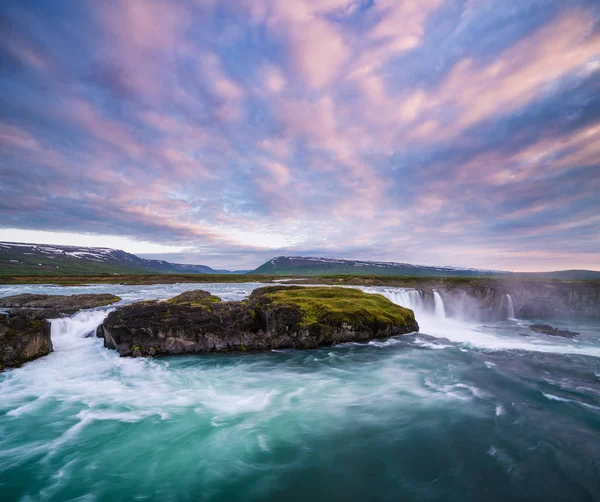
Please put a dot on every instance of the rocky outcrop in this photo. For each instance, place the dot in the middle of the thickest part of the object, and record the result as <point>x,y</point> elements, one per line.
<point>25,329</point>
<point>60,303</point>
<point>273,317</point>
<point>23,337</point>
<point>549,330</point>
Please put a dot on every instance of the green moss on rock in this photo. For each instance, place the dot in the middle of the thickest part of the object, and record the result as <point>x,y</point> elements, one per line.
<point>110,299</point>
<point>335,306</point>
<point>275,317</point>
<point>195,298</point>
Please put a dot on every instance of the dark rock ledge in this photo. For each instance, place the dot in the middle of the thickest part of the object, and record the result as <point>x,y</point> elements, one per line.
<point>549,330</point>
<point>63,304</point>
<point>273,317</point>
<point>25,329</point>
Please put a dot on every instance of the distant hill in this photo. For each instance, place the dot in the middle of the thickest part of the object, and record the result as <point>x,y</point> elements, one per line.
<point>43,259</point>
<point>308,266</point>
<point>302,265</point>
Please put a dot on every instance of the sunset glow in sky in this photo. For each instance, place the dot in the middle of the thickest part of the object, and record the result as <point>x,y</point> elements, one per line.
<point>438,132</point>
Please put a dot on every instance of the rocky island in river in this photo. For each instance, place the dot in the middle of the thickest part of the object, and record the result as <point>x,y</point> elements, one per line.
<point>276,317</point>
<point>198,322</point>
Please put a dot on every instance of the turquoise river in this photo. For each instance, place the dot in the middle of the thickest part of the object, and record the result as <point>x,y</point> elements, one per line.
<point>458,412</point>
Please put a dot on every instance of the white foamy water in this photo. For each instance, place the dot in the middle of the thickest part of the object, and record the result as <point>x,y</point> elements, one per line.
<point>489,336</point>
<point>440,310</point>
<point>510,307</point>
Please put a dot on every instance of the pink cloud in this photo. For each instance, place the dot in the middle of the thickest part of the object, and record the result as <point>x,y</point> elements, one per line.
<point>12,136</point>
<point>273,79</point>
<point>473,92</point>
<point>317,48</point>
<point>279,173</point>
<point>213,74</point>
<point>143,26</point>
<point>85,115</point>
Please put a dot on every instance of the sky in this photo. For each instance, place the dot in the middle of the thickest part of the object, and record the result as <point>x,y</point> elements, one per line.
<point>437,132</point>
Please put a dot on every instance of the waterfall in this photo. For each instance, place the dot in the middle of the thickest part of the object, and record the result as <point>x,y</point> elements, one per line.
<point>440,311</point>
<point>70,332</point>
<point>409,298</point>
<point>414,300</point>
<point>510,307</point>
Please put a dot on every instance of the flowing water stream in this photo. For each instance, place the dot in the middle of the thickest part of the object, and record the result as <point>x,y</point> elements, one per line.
<point>510,309</point>
<point>460,411</point>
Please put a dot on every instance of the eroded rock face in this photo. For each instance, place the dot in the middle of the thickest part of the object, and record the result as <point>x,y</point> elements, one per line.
<point>23,337</point>
<point>196,322</point>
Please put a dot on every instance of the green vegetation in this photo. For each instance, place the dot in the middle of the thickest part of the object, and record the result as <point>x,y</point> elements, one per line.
<point>108,301</point>
<point>34,325</point>
<point>34,259</point>
<point>420,281</point>
<point>194,299</point>
<point>332,279</point>
<point>293,265</point>
<point>79,280</point>
<point>309,268</point>
<point>321,305</point>
<point>16,262</point>
<point>317,267</point>
<point>30,327</point>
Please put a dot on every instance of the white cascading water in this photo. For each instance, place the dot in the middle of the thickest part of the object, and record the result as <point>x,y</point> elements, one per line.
<point>464,332</point>
<point>409,298</point>
<point>510,307</point>
<point>66,332</point>
<point>439,309</point>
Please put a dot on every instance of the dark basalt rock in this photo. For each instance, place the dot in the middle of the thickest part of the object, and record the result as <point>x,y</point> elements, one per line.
<point>100,332</point>
<point>62,303</point>
<point>197,322</point>
<point>23,337</point>
<point>549,330</point>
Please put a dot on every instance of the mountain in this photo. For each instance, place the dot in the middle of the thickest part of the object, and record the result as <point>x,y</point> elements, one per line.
<point>43,259</point>
<point>299,265</point>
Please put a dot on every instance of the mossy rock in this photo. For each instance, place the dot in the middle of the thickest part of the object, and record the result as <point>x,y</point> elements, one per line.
<point>336,306</point>
<point>196,298</point>
<point>275,317</point>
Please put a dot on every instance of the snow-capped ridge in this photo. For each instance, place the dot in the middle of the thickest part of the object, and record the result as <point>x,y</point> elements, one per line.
<point>87,260</point>
<point>381,264</point>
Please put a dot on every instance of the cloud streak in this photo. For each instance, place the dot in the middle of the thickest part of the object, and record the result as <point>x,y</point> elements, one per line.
<point>440,132</point>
